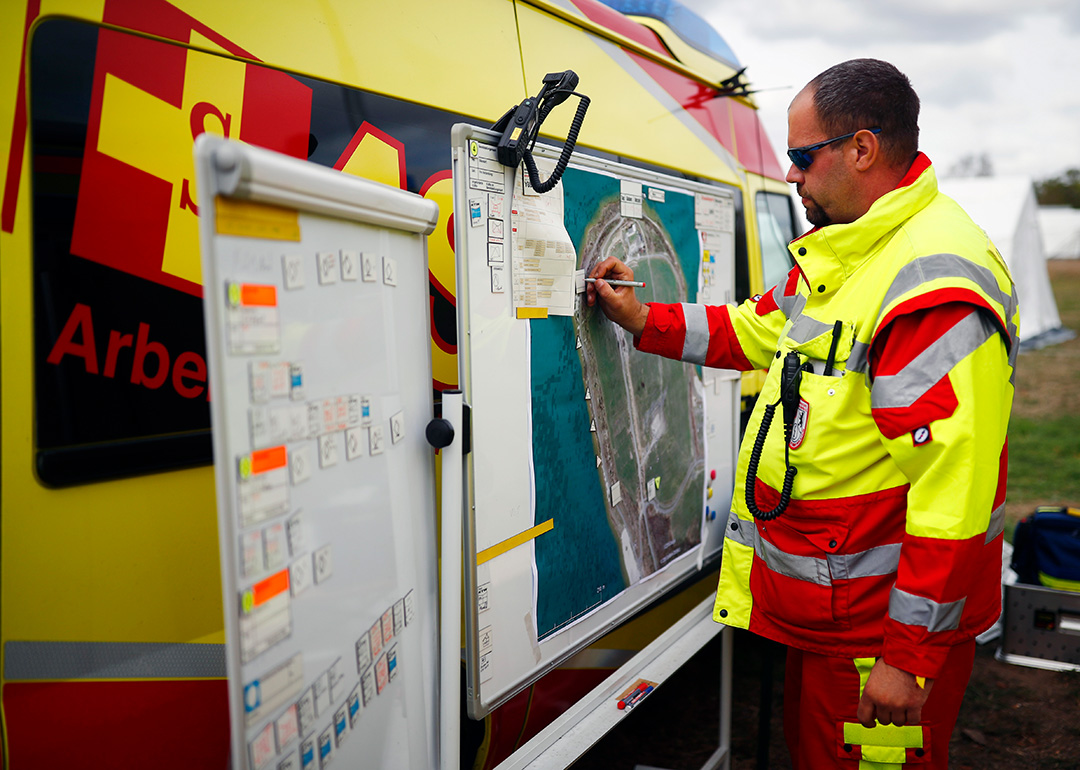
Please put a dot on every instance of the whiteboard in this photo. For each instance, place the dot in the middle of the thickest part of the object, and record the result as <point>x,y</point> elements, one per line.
<point>587,498</point>
<point>315,300</point>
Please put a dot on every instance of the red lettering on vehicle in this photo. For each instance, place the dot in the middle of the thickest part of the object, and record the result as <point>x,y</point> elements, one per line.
<point>151,363</point>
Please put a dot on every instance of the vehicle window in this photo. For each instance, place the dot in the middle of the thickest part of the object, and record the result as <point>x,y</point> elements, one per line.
<point>776,229</point>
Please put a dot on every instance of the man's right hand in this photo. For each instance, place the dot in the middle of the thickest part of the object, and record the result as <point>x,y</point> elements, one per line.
<point>619,303</point>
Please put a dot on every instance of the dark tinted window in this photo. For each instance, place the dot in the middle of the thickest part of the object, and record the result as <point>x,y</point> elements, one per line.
<point>120,364</point>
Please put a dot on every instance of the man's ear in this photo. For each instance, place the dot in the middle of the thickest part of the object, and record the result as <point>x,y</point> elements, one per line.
<point>867,150</point>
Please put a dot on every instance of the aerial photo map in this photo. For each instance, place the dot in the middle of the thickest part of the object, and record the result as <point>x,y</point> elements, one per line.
<point>618,438</point>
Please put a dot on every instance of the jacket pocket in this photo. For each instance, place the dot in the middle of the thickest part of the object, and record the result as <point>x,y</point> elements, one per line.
<point>795,587</point>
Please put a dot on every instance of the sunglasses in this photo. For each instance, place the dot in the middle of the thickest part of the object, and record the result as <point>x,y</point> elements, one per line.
<point>800,156</point>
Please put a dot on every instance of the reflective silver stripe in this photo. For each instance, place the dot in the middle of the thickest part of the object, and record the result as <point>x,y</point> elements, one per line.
<point>997,523</point>
<point>923,269</point>
<point>793,306</point>
<point>696,344</point>
<point>858,360</point>
<point>778,297</point>
<point>742,532</point>
<point>912,610</point>
<point>880,560</point>
<point>806,568</point>
<point>806,329</point>
<point>112,660</point>
<point>904,388</point>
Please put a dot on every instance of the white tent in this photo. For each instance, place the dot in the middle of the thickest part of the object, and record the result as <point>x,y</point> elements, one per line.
<point>1006,209</point>
<point>1061,231</point>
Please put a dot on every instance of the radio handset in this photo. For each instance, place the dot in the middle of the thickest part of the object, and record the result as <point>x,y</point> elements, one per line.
<point>521,124</point>
<point>790,379</point>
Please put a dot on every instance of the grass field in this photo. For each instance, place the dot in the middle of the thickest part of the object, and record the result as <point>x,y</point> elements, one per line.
<point>1044,433</point>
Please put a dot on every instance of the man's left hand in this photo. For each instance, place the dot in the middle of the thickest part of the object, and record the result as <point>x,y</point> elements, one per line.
<point>892,697</point>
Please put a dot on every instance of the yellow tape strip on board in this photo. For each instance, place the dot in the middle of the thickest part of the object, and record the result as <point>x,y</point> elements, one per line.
<point>256,220</point>
<point>532,312</point>
<point>499,548</point>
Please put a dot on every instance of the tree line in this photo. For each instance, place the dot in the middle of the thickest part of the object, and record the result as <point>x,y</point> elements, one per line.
<point>1063,190</point>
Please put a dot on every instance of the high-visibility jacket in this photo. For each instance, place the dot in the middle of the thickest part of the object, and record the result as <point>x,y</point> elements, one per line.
<point>891,543</point>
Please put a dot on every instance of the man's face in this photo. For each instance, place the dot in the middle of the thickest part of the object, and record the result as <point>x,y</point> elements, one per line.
<point>825,187</point>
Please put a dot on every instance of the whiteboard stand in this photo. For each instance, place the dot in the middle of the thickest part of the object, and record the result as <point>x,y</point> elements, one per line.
<point>447,435</point>
<point>565,740</point>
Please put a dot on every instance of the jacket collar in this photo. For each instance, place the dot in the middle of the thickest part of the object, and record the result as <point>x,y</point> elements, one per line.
<point>834,252</point>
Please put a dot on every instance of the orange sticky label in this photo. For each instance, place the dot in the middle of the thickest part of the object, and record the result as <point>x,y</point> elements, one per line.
<point>258,294</point>
<point>267,589</point>
<point>268,459</point>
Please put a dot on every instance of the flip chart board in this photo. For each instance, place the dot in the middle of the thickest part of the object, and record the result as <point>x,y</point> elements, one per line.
<point>316,294</point>
<point>596,471</point>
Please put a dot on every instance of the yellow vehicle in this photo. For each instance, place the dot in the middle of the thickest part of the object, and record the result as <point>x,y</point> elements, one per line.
<point>112,624</point>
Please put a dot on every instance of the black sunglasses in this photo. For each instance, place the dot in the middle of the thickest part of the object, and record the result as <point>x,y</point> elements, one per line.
<point>800,156</point>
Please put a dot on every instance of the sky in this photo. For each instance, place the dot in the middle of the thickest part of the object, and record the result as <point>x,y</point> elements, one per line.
<point>1000,77</point>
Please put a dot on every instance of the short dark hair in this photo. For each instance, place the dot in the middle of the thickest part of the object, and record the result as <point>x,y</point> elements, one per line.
<point>864,93</point>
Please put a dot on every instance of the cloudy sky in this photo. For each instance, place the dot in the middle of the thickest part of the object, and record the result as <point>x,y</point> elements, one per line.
<point>1000,77</point>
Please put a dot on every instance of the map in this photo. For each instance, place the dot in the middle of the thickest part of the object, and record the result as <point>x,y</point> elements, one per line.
<point>618,437</point>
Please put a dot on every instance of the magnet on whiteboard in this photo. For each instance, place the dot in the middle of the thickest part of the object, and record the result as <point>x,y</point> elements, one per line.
<point>305,712</point>
<point>274,548</point>
<point>354,443</point>
<point>476,213</point>
<point>327,262</point>
<point>368,268</point>
<point>350,265</point>
<point>498,280</point>
<point>300,464</point>
<point>365,411</point>
<point>363,653</point>
<point>387,621</point>
<point>307,754</point>
<point>410,608</point>
<point>324,563</point>
<point>292,266</point>
<point>375,637</point>
<point>262,748</point>
<point>389,271</point>
<point>399,616</point>
<point>341,726</point>
<point>296,381</point>
<point>367,685</point>
<point>328,450</point>
<point>287,727</point>
<point>326,746</point>
<point>321,688</point>
<point>337,681</point>
<point>397,427</point>
<point>354,705</point>
<point>294,528</point>
<point>375,440</point>
<point>300,575</point>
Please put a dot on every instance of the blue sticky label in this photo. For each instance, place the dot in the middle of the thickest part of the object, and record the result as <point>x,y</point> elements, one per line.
<point>307,754</point>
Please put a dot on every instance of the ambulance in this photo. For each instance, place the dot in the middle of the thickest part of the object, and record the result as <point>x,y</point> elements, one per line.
<point>111,616</point>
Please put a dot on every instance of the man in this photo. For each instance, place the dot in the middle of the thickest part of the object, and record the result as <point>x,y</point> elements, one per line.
<point>865,531</point>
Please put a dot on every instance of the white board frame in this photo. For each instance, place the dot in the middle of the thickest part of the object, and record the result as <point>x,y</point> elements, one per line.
<point>352,336</point>
<point>481,316</point>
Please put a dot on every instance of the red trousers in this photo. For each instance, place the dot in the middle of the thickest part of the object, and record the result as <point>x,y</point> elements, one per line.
<point>821,695</point>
